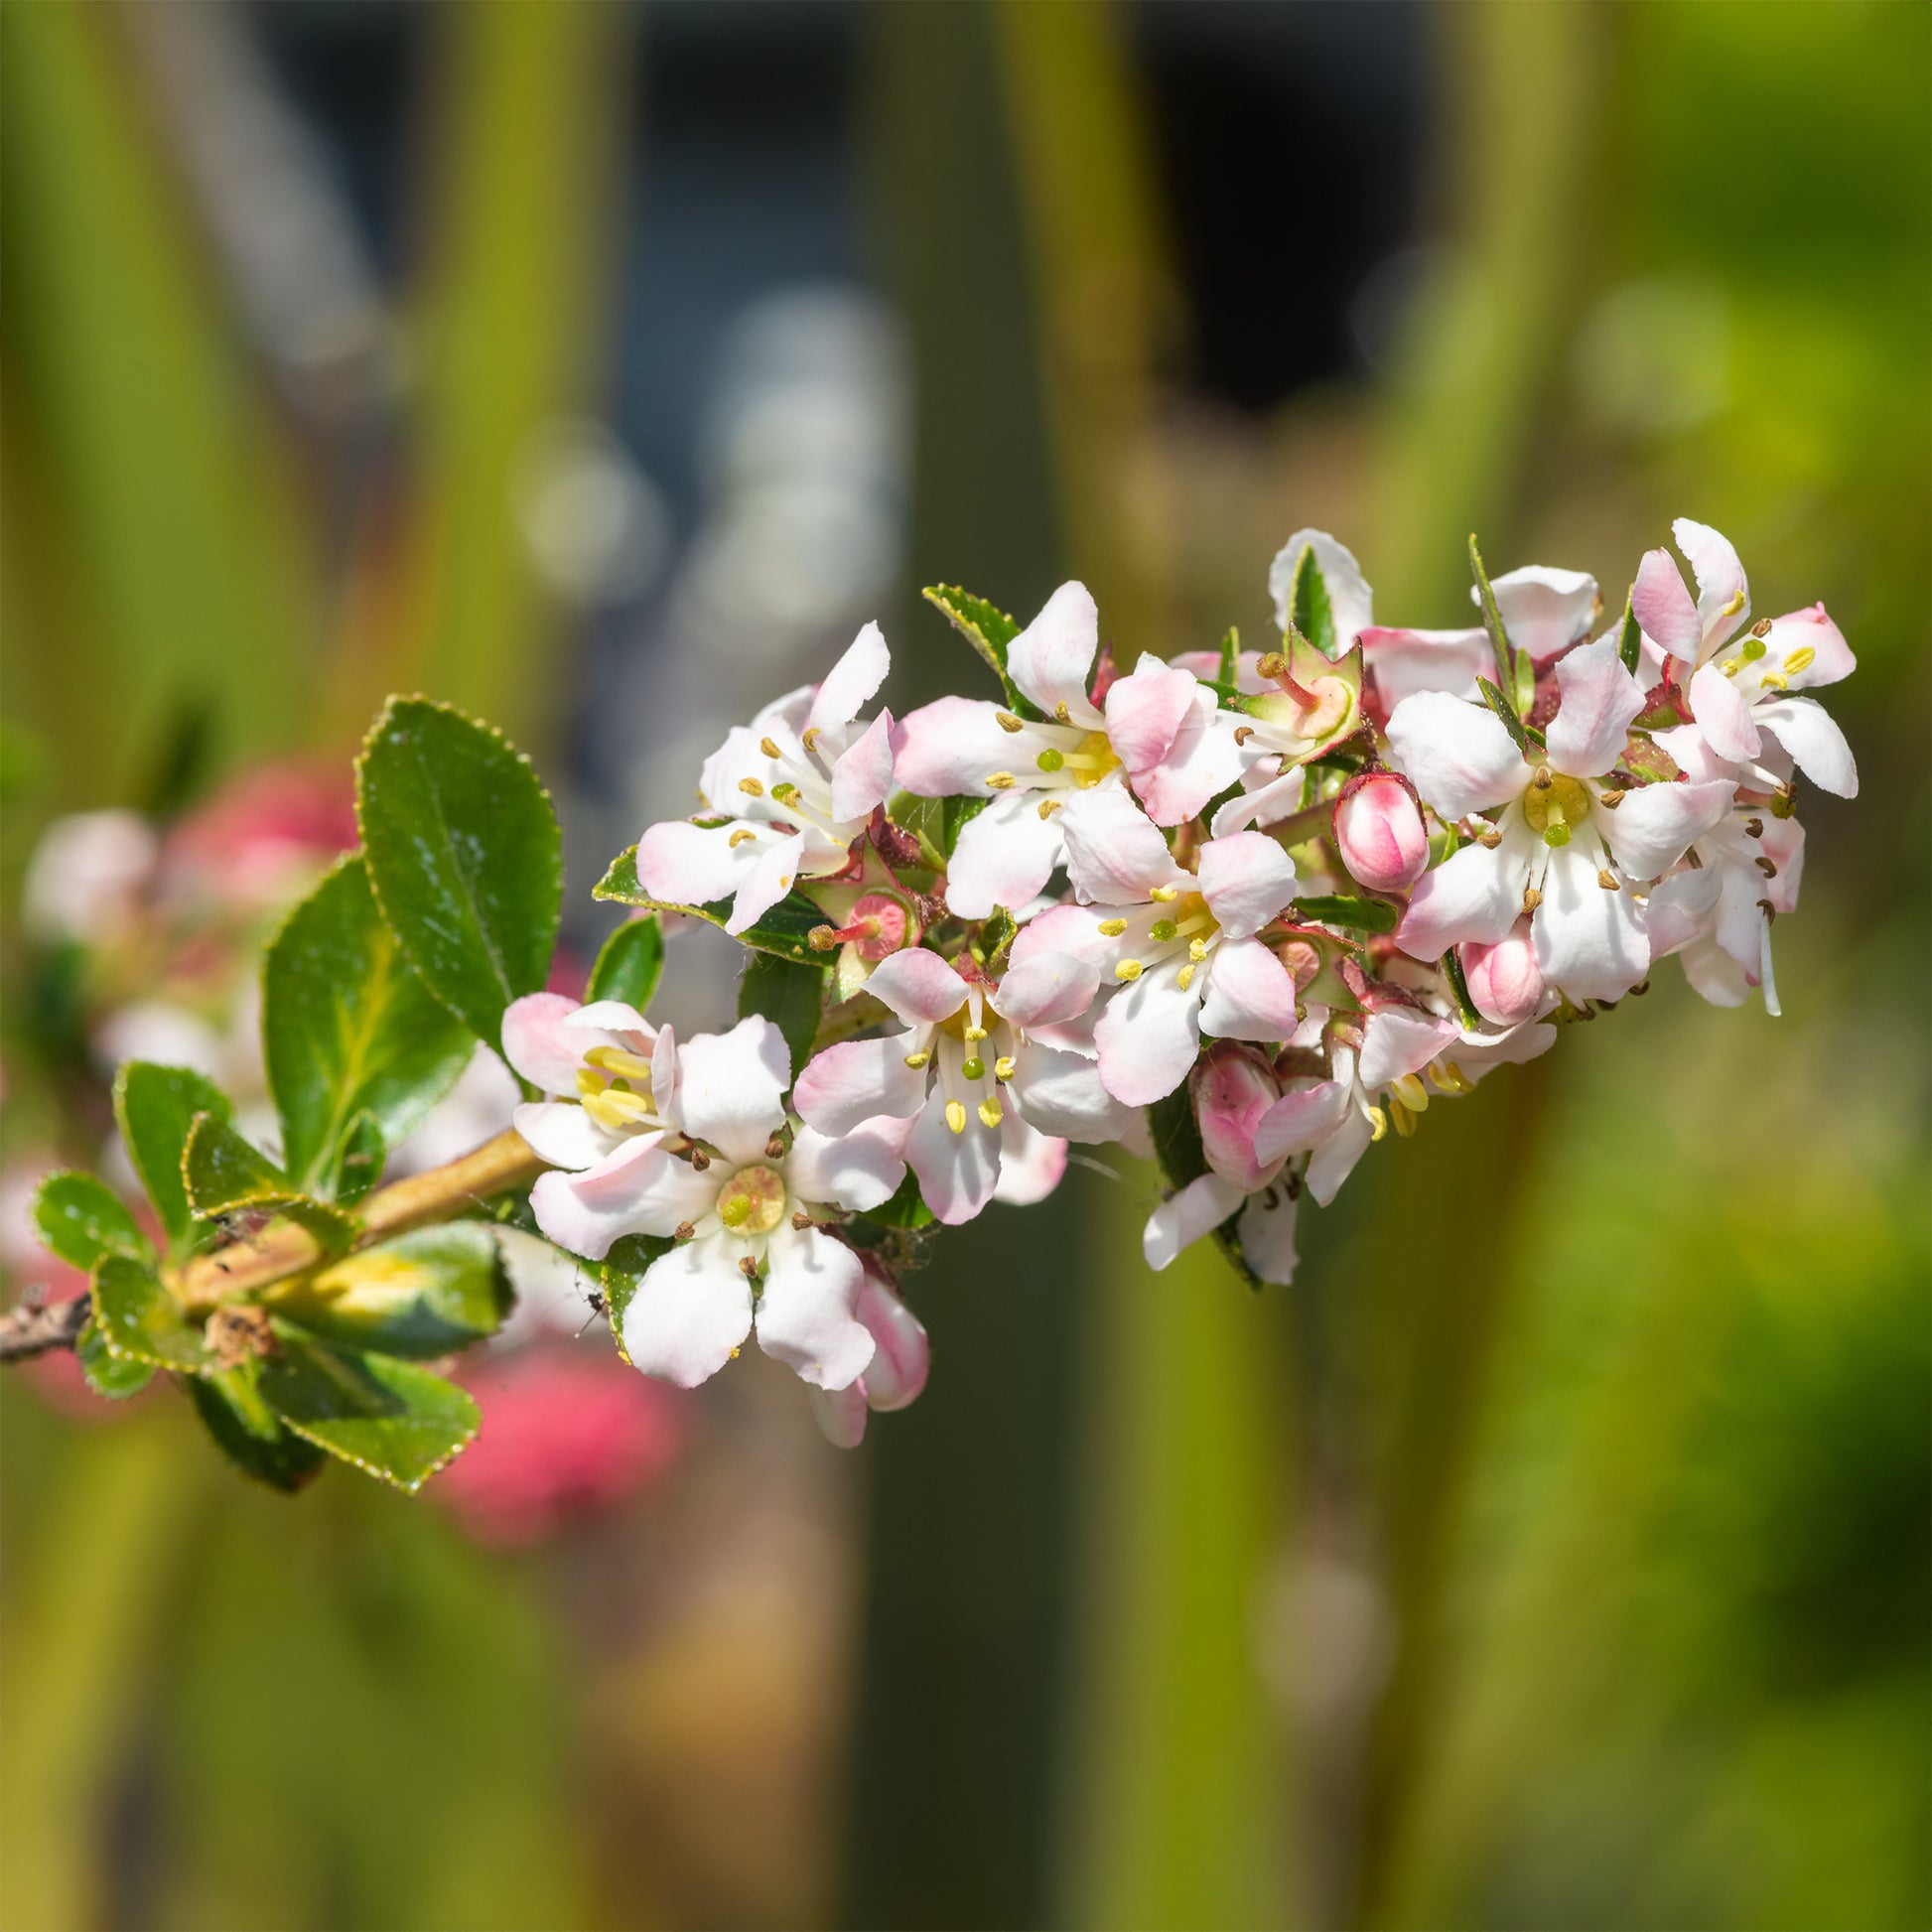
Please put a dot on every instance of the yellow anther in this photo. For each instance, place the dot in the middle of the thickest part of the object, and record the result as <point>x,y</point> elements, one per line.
<point>1112,929</point>
<point>1008,722</point>
<point>1127,969</point>
<point>1410,1092</point>
<point>1048,806</point>
<point>1448,1074</point>
<point>1772,680</point>
<point>1185,977</point>
<point>770,746</point>
<point>629,1107</point>
<point>1060,712</point>
<point>1490,839</point>
<point>1197,950</point>
<point>1607,880</point>
<point>1736,604</point>
<point>811,738</point>
<point>1165,894</point>
<point>1800,659</point>
<point>956,1116</point>
<point>973,1032</point>
<point>607,1111</point>
<point>990,1113</point>
<point>1003,1068</point>
<point>739,837</point>
<point>785,793</point>
<point>1001,781</point>
<point>1405,1121</point>
<point>1532,898</point>
<point>615,1060</point>
<point>1732,666</point>
<point>589,1083</point>
<point>917,1060</point>
<point>1378,1123</point>
<point>753,786</point>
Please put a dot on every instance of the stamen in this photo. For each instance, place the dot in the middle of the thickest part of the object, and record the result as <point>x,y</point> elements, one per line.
<point>1408,1089</point>
<point>1490,839</point>
<point>956,1116</point>
<point>739,837</point>
<point>1185,977</point>
<point>785,793</point>
<point>1732,666</point>
<point>1008,722</point>
<point>1762,628</point>
<point>1001,781</point>
<point>1765,866</point>
<point>801,1222</point>
<point>990,1113</point>
<point>1772,680</point>
<point>1242,733</point>
<point>1060,712</point>
<point>1735,605</point>
<point>1451,1077</point>
<point>1051,759</point>
<point>614,1060</point>
<point>700,1160</point>
<point>1543,780</point>
<point>1607,880</point>
<point>1754,828</point>
<point>811,738</point>
<point>917,1060</point>
<point>1127,969</point>
<point>974,1069</point>
<point>1532,898</point>
<point>774,1148</point>
<point>770,746</point>
<point>683,1231</point>
<point>1165,894</point>
<point>1112,929</point>
<point>1048,806</point>
<point>1800,659</point>
<point>1610,801</point>
<point>1765,906</point>
<point>590,1082</point>
<point>1197,950</point>
<point>753,786</point>
<point>1003,1068</point>
<point>1405,1121</point>
<point>747,1267</point>
<point>972,1034</point>
<point>1378,1123</point>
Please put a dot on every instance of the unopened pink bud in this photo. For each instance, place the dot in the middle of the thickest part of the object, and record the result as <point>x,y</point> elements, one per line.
<point>1380,833</point>
<point>898,1369</point>
<point>1504,980</point>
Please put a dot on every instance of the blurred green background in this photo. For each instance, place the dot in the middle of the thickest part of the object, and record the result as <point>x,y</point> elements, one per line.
<point>1555,1554</point>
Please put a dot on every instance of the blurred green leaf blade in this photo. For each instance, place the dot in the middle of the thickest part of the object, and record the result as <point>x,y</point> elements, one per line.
<point>630,964</point>
<point>156,1106</point>
<point>792,996</point>
<point>248,1431</point>
<point>140,1321</point>
<point>80,1219</point>
<point>423,1295</point>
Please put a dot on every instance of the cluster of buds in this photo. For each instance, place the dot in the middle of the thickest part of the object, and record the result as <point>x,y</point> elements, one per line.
<point>1249,911</point>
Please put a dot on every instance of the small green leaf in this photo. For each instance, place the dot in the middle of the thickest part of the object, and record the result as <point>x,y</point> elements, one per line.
<point>1230,670</point>
<point>465,856</point>
<point>224,1174</point>
<point>248,1431</point>
<point>140,1321</point>
<point>79,1221</point>
<point>905,1209</point>
<point>392,1418</point>
<point>1364,915</point>
<point>347,1030</point>
<point>107,1373</point>
<point>988,629</point>
<point>1492,622</point>
<point>423,1295</point>
<point>621,1271</point>
<point>156,1106</point>
<point>630,965</point>
<point>790,996</point>
<point>785,929</point>
<point>1309,610</point>
<point>955,815</point>
<point>1629,639</point>
<point>1507,712</point>
<point>1460,988</point>
<point>359,1165</point>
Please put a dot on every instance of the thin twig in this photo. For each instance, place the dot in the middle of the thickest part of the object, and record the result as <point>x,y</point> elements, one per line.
<point>35,1326</point>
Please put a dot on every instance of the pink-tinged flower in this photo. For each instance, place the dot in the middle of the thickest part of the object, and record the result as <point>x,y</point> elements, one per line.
<point>990,1110</point>
<point>602,1055</point>
<point>1504,980</point>
<point>718,1176</point>
<point>87,877</point>
<point>1563,847</point>
<point>1716,916</point>
<point>1159,730</point>
<point>1233,1092</point>
<point>264,836</point>
<point>896,1372</point>
<point>1349,596</point>
<point>1174,952</point>
<point>1544,610</point>
<point>1739,687</point>
<point>1379,832</point>
<point>784,796</point>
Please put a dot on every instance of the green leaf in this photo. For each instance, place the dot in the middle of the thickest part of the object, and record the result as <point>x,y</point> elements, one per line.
<point>1309,610</point>
<point>79,1221</point>
<point>1492,622</point>
<point>955,815</point>
<point>248,1431</point>
<point>224,1174</point>
<point>465,856</point>
<point>785,929</point>
<point>1505,711</point>
<point>349,1030</point>
<point>619,1272</point>
<point>790,996</point>
<point>630,965</point>
<point>107,1373</point>
<point>392,1418</point>
<point>988,629</point>
<point>423,1295</point>
<point>359,1166</point>
<point>1364,915</point>
<point>1230,671</point>
<point>1460,988</point>
<point>905,1209</point>
<point>156,1106</point>
<point>140,1321</point>
<point>1629,639</point>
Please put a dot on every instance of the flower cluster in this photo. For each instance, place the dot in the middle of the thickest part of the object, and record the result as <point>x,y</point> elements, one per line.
<point>1248,911</point>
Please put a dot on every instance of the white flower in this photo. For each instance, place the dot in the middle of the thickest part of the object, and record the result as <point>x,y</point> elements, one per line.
<point>787,795</point>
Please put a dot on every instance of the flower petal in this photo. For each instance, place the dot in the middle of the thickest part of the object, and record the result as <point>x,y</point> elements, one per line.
<point>638,1189</point>
<point>1723,717</point>
<point>857,1170</point>
<point>1061,1094</point>
<point>1052,658</point>
<point>1590,943</point>
<point>851,681</point>
<point>539,1044</point>
<point>806,1309</point>
<point>957,1172</point>
<point>691,1311</point>
<point>730,1087</point>
<point>1047,987</point>
<point>1662,603</point>
<point>1180,1221</point>
<point>1810,734</point>
<point>562,1133</point>
<point>1598,700</point>
<point>1146,708</point>
<point>1032,1164</point>
<point>1397,1041</point>
<point>1246,879</point>
<point>772,879</point>
<point>1334,1160</point>
<point>900,1353</point>
<point>1266,1232</point>
<point>1831,656</point>
<point>1300,1119</point>
<point>1682,909</point>
<point>1408,661</point>
<point>697,865</point>
<point>1648,832</point>
<point>1349,596</point>
<point>1250,993</point>
<point>862,775</point>
<point>856,1079</point>
<point>946,749</point>
<point>1004,857</point>
<point>1115,854</point>
<point>611,1023</point>
<point>1456,755</point>
<point>919,986</point>
<point>1272,799</point>
<point>1724,597</point>
<point>1147,1036</point>
<point>1202,759</point>
<point>1232,1094</point>
<point>1544,610</point>
<point>1475,893</point>
<point>841,1414</point>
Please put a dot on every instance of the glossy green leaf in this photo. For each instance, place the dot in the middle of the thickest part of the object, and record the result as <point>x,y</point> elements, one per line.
<point>905,1209</point>
<point>225,1175</point>
<point>140,1321</point>
<point>988,629</point>
<point>392,1418</point>
<point>80,1220</point>
<point>358,1165</point>
<point>423,1295</point>
<point>1364,915</point>
<point>1459,989</point>
<point>1310,608</point>
<point>248,1431</point>
<point>1507,712</point>
<point>1629,636</point>
<point>349,1030</point>
<point>107,1373</point>
<point>156,1106</point>
<point>955,815</point>
<point>1492,622</point>
<point>790,996</point>
<point>785,929</point>
<point>465,857</point>
<point>630,965</point>
<point>620,1272</point>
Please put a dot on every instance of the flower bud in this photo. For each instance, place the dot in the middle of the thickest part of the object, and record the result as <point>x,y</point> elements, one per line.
<point>898,1369</point>
<point>1504,980</point>
<point>1380,833</point>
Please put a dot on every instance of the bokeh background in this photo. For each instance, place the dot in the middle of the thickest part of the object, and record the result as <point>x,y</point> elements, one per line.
<point>1555,1552</point>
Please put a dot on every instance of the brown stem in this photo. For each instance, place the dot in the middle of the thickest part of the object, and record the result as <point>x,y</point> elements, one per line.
<point>36,1327</point>
<point>440,1194</point>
